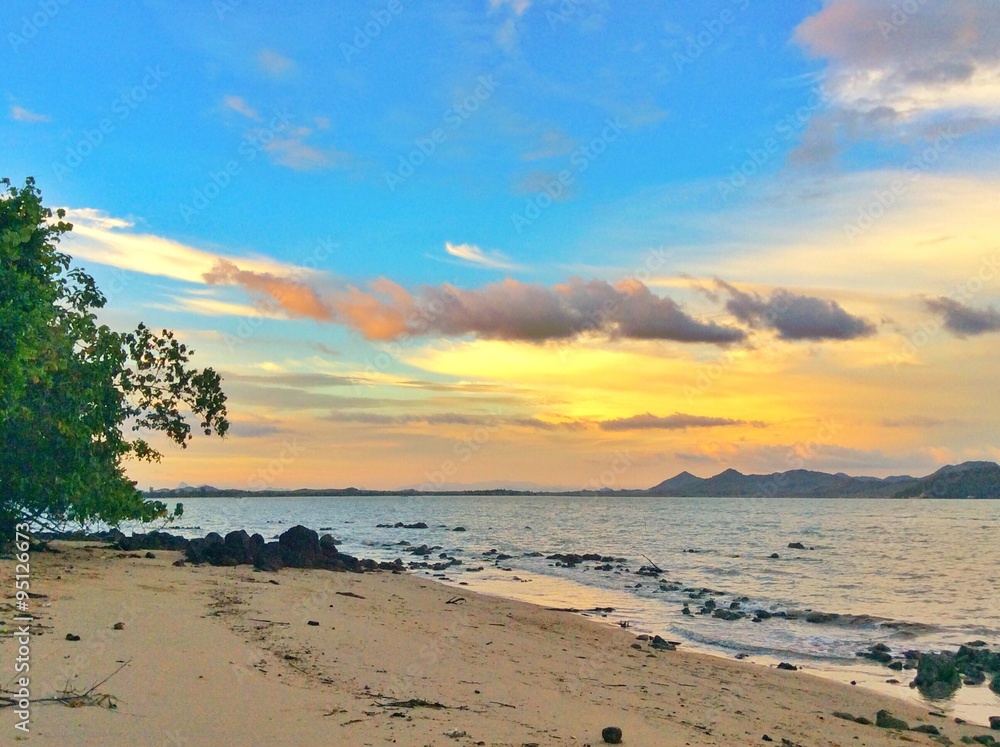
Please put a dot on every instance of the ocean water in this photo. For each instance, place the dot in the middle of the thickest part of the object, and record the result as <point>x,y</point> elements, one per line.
<point>913,574</point>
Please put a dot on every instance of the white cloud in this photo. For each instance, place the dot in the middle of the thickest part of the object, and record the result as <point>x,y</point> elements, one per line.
<point>275,64</point>
<point>888,59</point>
<point>98,237</point>
<point>20,114</point>
<point>475,255</point>
<point>518,6</point>
<point>240,106</point>
<point>297,154</point>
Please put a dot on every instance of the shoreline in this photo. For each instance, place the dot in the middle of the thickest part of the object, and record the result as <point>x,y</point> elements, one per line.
<point>219,652</point>
<point>975,705</point>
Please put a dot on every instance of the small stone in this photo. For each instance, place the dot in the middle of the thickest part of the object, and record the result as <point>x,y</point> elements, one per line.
<point>843,715</point>
<point>662,645</point>
<point>885,720</point>
<point>637,646</point>
<point>312,622</point>
<point>789,667</point>
<point>863,721</point>
<point>119,626</point>
<point>774,556</point>
<point>927,729</point>
<point>611,735</point>
<point>179,563</point>
<point>150,556</point>
<point>71,637</point>
<point>796,546</point>
<point>766,738</point>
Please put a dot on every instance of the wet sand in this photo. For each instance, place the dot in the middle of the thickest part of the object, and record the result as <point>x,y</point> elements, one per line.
<point>220,655</point>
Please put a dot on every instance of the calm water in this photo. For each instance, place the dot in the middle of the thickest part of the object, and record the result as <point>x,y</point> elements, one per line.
<point>930,569</point>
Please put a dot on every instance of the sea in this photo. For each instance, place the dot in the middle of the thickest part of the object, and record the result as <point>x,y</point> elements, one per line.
<point>912,574</point>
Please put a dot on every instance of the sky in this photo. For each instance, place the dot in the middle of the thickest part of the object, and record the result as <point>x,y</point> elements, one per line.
<point>547,243</point>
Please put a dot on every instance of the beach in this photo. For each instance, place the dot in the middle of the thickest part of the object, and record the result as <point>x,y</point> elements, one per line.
<point>229,654</point>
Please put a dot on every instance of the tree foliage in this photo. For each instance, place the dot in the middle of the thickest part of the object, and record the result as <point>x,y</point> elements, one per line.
<point>70,387</point>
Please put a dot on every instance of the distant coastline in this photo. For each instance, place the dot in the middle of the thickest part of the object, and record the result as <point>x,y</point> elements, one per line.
<point>969,480</point>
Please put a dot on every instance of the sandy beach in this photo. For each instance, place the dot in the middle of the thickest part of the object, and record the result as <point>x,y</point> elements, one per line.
<point>228,655</point>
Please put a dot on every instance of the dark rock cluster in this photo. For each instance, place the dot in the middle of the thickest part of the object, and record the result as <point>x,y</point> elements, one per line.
<point>299,547</point>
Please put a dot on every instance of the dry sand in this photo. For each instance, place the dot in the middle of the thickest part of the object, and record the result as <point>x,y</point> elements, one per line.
<point>227,656</point>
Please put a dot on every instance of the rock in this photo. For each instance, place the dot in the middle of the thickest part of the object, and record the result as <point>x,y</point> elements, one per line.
<point>885,720</point>
<point>937,676</point>
<point>637,646</point>
<point>976,677</point>
<point>71,637</point>
<point>328,546</point>
<point>661,644</point>
<point>153,541</point>
<point>459,529</point>
<point>728,615</point>
<point>119,626</point>
<point>896,666</point>
<point>927,729</point>
<point>796,546</point>
<point>237,546</point>
<point>774,556</point>
<point>268,558</point>
<point>863,721</point>
<point>313,623</point>
<point>611,735</point>
<point>180,563</point>
<point>995,684</point>
<point>995,723</point>
<point>789,667</point>
<point>300,548</point>
<point>843,715</point>
<point>821,618</point>
<point>150,556</point>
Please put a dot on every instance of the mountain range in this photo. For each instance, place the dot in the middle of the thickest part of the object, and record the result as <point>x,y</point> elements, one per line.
<point>966,480</point>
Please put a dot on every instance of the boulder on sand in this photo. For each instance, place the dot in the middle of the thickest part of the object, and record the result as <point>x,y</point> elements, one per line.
<point>300,548</point>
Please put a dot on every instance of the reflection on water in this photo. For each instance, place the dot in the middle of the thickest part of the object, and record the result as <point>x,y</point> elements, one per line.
<point>932,565</point>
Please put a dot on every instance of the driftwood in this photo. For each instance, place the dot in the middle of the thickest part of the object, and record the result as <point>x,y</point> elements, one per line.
<point>72,698</point>
<point>349,594</point>
<point>414,703</point>
<point>653,565</point>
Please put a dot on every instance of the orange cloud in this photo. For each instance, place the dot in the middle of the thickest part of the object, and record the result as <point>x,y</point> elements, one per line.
<point>293,297</point>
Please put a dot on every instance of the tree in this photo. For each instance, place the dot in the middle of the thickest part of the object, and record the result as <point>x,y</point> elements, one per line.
<point>70,387</point>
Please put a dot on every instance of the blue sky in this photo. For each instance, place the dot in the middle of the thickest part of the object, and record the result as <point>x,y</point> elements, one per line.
<point>363,158</point>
